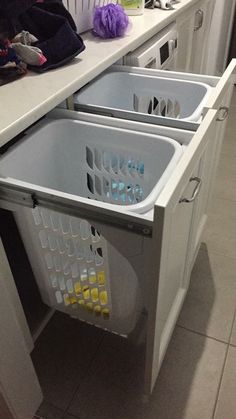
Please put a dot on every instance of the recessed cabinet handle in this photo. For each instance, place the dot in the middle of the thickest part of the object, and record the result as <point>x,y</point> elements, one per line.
<point>195,191</point>
<point>222,113</point>
<point>199,15</point>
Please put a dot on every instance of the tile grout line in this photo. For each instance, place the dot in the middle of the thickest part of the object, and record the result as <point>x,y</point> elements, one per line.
<point>223,369</point>
<point>202,334</point>
<point>65,411</point>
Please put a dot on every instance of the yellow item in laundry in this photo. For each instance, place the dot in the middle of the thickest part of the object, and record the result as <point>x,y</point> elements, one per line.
<point>94,294</point>
<point>66,299</point>
<point>101,278</point>
<point>106,313</point>
<point>103,298</point>
<point>86,292</point>
<point>89,307</point>
<point>73,300</point>
<point>77,288</point>
<point>81,303</point>
<point>92,278</point>
<point>97,310</point>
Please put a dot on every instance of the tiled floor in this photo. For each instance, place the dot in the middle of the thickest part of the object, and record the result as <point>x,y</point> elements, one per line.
<point>88,374</point>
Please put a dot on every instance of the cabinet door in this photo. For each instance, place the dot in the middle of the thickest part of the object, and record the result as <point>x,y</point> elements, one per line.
<point>185,24</point>
<point>172,222</point>
<point>18,381</point>
<point>201,29</point>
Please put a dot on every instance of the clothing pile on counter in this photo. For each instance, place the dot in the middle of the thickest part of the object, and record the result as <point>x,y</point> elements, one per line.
<point>35,34</point>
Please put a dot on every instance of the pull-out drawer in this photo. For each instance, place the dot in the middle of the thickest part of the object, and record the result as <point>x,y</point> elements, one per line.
<point>126,253</point>
<point>141,248</point>
<point>156,96</point>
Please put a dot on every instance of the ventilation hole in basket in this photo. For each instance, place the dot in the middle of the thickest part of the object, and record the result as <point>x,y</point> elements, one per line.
<point>94,295</point>
<point>92,276</point>
<point>86,292</point>
<point>69,286</point>
<point>83,274</point>
<point>66,299</point>
<point>122,191</point>
<point>106,188</point>
<point>107,157</point>
<point>49,260</point>
<point>36,216</point>
<point>89,255</point>
<point>106,313</point>
<point>155,103</point>
<point>84,229</point>
<point>98,256</point>
<point>140,168</point>
<point>77,288</point>
<point>57,263</point>
<point>65,265</point>
<point>98,159</point>
<point>103,298</point>
<point>46,218</point>
<point>90,184</point>
<point>55,223</point>
<point>177,109</point>
<point>97,310</point>
<point>65,223</point>
<point>70,247</point>
<point>98,186</point>
<point>58,296</point>
<point>52,242</point>
<point>75,226</point>
<point>89,157</point>
<point>138,193</point>
<point>43,239</point>
<point>114,163</point>
<point>95,235</point>
<point>130,194</point>
<point>132,167</point>
<point>101,278</point>
<point>79,251</point>
<point>163,108</point>
<point>60,244</point>
<point>62,284</point>
<point>74,270</point>
<point>150,108</point>
<point>53,280</point>
<point>114,190</point>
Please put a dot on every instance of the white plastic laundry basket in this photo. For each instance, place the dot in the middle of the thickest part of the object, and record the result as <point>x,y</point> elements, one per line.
<point>78,269</point>
<point>133,92</point>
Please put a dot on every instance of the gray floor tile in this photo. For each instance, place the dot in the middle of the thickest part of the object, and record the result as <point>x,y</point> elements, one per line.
<point>220,231</point>
<point>233,336</point>
<point>186,387</point>
<point>62,355</point>
<point>211,299</point>
<point>226,405</point>
<point>48,411</point>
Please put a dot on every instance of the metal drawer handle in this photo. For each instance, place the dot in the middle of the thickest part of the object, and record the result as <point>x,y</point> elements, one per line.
<point>199,16</point>
<point>195,191</point>
<point>223,113</point>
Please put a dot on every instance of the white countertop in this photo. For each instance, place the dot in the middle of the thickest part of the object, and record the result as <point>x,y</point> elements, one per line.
<point>25,100</point>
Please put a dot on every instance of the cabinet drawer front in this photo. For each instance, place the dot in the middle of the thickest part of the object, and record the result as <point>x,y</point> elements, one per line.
<point>171,230</point>
<point>225,84</point>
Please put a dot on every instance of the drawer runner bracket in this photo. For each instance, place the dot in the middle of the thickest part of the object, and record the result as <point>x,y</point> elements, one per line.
<point>24,196</point>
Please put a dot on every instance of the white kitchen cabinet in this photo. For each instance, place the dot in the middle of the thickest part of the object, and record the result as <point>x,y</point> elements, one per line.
<point>201,30</point>
<point>193,31</point>
<point>171,236</point>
